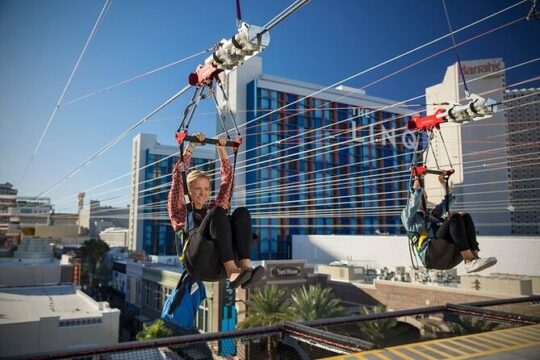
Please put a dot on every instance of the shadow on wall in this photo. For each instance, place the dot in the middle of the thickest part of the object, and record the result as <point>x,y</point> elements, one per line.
<point>351,295</point>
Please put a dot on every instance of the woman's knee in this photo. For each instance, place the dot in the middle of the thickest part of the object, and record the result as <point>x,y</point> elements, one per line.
<point>466,216</point>
<point>241,213</point>
<point>217,212</point>
<point>456,218</point>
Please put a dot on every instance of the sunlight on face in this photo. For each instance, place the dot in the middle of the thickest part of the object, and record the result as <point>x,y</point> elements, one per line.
<point>199,190</point>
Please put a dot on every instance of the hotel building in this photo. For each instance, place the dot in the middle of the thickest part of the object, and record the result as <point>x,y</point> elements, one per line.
<point>495,179</point>
<point>328,163</point>
<point>152,164</point>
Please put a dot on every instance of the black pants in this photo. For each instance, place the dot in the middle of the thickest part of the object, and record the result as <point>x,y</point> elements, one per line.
<point>455,235</point>
<point>232,234</point>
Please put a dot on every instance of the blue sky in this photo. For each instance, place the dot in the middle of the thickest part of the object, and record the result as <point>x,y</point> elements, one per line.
<point>322,43</point>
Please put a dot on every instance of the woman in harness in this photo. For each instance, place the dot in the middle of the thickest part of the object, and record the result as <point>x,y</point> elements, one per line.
<point>231,234</point>
<point>441,244</point>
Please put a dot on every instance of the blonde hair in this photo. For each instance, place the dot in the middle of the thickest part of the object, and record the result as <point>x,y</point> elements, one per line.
<point>194,175</point>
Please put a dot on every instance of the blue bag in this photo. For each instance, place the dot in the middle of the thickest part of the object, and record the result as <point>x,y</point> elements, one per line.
<point>181,306</point>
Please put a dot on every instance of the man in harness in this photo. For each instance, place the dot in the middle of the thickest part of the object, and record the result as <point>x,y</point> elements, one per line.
<point>441,243</point>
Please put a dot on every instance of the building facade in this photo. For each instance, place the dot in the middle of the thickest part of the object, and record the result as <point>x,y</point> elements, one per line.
<point>8,196</point>
<point>42,308</point>
<point>492,180</point>
<point>522,109</point>
<point>96,218</point>
<point>152,164</point>
<point>324,164</point>
<point>58,318</point>
<point>21,214</point>
<point>114,237</point>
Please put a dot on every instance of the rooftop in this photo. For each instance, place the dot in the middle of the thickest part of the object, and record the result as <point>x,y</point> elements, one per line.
<point>33,303</point>
<point>14,262</point>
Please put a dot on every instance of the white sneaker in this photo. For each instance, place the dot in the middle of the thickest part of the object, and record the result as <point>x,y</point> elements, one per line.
<point>480,264</point>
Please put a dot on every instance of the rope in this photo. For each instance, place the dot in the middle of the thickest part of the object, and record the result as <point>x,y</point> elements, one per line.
<point>532,14</point>
<point>455,50</point>
<point>105,9</point>
<point>238,14</point>
<point>123,82</point>
<point>114,141</point>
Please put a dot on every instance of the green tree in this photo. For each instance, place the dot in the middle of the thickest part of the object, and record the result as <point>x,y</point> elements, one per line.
<point>315,303</point>
<point>92,252</point>
<point>158,329</point>
<point>103,273</point>
<point>268,306</point>
<point>431,331</point>
<point>470,325</point>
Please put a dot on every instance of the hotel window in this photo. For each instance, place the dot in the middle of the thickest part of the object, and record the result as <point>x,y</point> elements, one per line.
<point>158,300</point>
<point>148,295</point>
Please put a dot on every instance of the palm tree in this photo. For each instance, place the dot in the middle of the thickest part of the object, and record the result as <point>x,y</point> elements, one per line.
<point>469,325</point>
<point>268,306</point>
<point>158,329</point>
<point>315,303</point>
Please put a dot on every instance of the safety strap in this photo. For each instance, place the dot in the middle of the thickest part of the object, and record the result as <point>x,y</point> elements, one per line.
<point>412,252</point>
<point>232,180</point>
<point>446,177</point>
<point>417,244</point>
<point>178,298</point>
<point>238,15</point>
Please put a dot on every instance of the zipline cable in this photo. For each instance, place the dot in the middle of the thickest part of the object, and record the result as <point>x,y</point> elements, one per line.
<point>123,82</point>
<point>114,141</point>
<point>105,9</point>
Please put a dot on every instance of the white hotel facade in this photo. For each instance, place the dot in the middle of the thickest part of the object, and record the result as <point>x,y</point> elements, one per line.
<point>493,180</point>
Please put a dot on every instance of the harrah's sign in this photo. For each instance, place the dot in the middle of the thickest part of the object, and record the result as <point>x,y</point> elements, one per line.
<point>482,68</point>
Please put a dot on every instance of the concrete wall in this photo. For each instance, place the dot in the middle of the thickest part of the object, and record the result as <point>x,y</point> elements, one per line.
<point>57,231</point>
<point>516,255</point>
<point>503,283</point>
<point>497,284</point>
<point>535,280</point>
<point>115,238</point>
<point>344,273</point>
<point>31,274</point>
<point>399,296</point>
<point>47,336</point>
